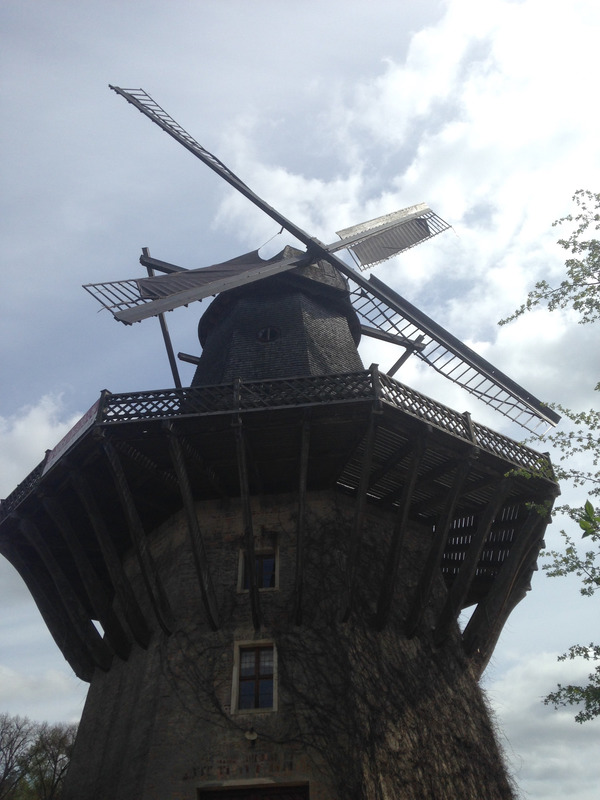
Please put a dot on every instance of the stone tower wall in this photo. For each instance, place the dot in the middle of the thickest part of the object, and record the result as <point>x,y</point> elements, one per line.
<point>360,713</point>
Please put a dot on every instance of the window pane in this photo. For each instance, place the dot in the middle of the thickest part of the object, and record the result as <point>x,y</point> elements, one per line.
<point>265,571</point>
<point>266,661</point>
<point>267,579</point>
<point>256,677</point>
<point>265,693</point>
<point>247,663</point>
<point>247,694</point>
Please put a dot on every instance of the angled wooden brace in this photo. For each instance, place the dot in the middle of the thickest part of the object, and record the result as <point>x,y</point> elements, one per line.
<point>392,562</point>
<point>78,616</point>
<point>149,572</point>
<point>198,547</point>
<point>99,600</point>
<point>430,478</point>
<point>250,563</point>
<point>54,613</point>
<point>390,462</point>
<point>121,584</point>
<point>434,558</point>
<point>208,471</point>
<point>140,459</point>
<point>302,484</point>
<point>509,588</point>
<point>464,578</point>
<point>359,515</point>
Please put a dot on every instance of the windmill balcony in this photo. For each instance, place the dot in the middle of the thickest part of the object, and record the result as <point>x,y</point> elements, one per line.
<point>482,498</point>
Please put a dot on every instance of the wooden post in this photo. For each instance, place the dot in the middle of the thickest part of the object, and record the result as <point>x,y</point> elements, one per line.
<point>392,563</point>
<point>150,576</point>
<point>302,482</point>
<point>196,541</point>
<point>250,564</point>
<point>359,514</point>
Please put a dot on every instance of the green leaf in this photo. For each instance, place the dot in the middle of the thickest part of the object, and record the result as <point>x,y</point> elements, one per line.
<point>589,509</point>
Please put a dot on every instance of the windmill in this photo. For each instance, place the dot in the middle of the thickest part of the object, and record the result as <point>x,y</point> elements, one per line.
<point>261,575</point>
<point>384,314</point>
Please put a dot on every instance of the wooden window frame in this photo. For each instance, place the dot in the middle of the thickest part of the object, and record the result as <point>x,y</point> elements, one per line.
<point>238,680</point>
<point>259,554</point>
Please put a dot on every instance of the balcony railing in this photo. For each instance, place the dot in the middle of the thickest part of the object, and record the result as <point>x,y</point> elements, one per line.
<point>242,396</point>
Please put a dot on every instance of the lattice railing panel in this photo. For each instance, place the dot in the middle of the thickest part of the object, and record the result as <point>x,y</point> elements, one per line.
<point>525,457</point>
<point>20,493</point>
<point>424,407</point>
<point>240,396</point>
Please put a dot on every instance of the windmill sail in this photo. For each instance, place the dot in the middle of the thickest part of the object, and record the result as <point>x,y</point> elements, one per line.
<point>387,310</point>
<point>375,241</point>
<point>376,304</point>
<point>135,299</point>
<point>389,235</point>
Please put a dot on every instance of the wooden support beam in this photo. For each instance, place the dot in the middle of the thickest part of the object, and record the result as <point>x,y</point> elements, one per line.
<point>437,502</point>
<point>125,448</point>
<point>508,589</point>
<point>435,473</point>
<point>199,553</point>
<point>302,484</point>
<point>51,607</point>
<point>359,515</point>
<point>436,551</point>
<point>96,592</point>
<point>482,483</point>
<point>209,471</point>
<point>392,563</point>
<point>149,572</point>
<point>427,478</point>
<point>460,587</point>
<point>121,583</point>
<point>248,528</point>
<point>390,462</point>
<point>78,616</point>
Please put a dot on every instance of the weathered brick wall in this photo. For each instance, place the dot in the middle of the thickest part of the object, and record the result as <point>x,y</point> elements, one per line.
<point>313,339</point>
<point>361,713</point>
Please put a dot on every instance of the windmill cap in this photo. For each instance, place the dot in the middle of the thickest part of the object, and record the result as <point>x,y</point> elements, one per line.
<point>319,279</point>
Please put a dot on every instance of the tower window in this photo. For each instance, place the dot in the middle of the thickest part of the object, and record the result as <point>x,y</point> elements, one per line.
<point>268,334</point>
<point>266,569</point>
<point>255,682</point>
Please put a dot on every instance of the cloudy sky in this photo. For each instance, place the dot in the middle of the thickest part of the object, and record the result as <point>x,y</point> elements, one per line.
<point>334,112</point>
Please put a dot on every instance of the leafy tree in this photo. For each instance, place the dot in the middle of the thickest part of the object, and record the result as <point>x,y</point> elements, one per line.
<point>34,758</point>
<point>48,760</point>
<point>580,291</point>
<point>16,736</point>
